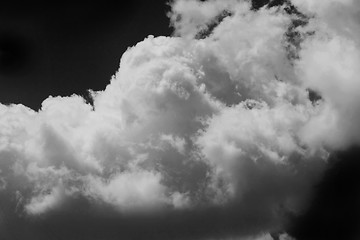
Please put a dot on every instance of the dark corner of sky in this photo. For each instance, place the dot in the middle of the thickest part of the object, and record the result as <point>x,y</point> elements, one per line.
<point>64,49</point>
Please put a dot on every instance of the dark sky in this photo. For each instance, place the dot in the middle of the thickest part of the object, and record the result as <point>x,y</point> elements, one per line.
<point>66,49</point>
<point>334,212</point>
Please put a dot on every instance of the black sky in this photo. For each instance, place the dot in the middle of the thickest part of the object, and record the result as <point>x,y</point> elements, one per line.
<point>66,49</point>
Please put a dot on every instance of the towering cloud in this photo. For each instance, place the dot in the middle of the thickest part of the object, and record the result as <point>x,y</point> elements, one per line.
<point>208,134</point>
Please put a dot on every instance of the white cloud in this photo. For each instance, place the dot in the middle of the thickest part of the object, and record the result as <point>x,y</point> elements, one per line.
<point>139,191</point>
<point>45,201</point>
<point>186,124</point>
<point>328,64</point>
<point>190,17</point>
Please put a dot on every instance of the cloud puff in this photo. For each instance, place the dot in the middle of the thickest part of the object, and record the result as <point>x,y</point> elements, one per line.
<point>193,137</point>
<point>327,64</point>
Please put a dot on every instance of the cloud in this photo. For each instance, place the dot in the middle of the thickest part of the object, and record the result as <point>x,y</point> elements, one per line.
<point>328,65</point>
<point>193,138</point>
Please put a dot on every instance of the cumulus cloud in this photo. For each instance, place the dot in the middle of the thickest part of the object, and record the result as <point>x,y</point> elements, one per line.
<point>328,65</point>
<point>211,137</point>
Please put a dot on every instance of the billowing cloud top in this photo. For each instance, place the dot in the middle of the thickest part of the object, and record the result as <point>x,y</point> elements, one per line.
<point>207,134</point>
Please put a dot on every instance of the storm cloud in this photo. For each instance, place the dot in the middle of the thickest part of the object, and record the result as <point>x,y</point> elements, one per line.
<point>206,134</point>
